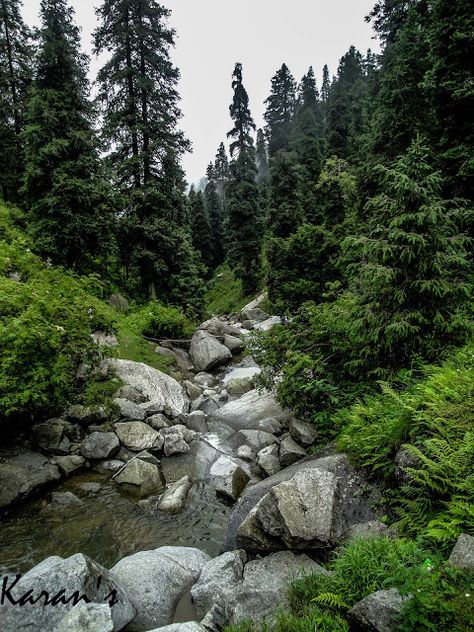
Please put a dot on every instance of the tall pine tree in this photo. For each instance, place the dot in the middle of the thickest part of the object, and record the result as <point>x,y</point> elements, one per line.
<point>216,216</point>
<point>280,110</point>
<point>67,194</point>
<point>244,216</point>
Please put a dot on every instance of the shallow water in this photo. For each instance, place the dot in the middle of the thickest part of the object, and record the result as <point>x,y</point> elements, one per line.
<point>108,525</point>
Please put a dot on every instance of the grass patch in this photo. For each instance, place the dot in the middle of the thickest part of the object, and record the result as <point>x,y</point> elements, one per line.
<point>224,294</point>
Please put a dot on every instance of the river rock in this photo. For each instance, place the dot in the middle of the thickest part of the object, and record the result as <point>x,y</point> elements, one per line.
<point>87,617</point>
<point>109,466</point>
<point>158,421</point>
<point>100,445</point>
<point>290,451</point>
<point>303,432</point>
<point>253,313</point>
<point>77,573</point>
<point>207,352</point>
<point>50,436</point>
<point>268,324</point>
<point>189,626</point>
<point>69,464</point>
<point>370,529</point>
<point>218,327</point>
<point>197,421</point>
<point>174,440</point>
<point>311,504</point>
<point>246,453</point>
<point>129,410</point>
<point>137,435</point>
<point>130,393</point>
<point>377,612</point>
<point>229,478</point>
<point>158,388</point>
<point>256,439</point>
<point>462,555</point>
<point>246,411</point>
<point>143,478</point>
<point>87,415</point>
<point>234,344</point>
<point>268,460</point>
<point>240,386</point>
<point>65,499</point>
<point>24,474</point>
<point>204,379</point>
<point>193,390</point>
<point>174,497</point>
<point>157,580</point>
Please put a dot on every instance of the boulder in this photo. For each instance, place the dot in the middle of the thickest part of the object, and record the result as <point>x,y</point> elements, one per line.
<point>104,339</point>
<point>253,313</point>
<point>256,439</point>
<point>268,324</point>
<point>240,386</point>
<point>246,453</point>
<point>50,436</point>
<point>303,432</point>
<point>65,499</point>
<point>218,327</point>
<point>197,421</point>
<point>377,612</point>
<point>100,445</point>
<point>174,497</point>
<point>370,529</point>
<point>193,390</point>
<point>158,421</point>
<point>207,352</point>
<point>404,460</point>
<point>157,580</point>
<point>462,555</point>
<point>229,478</point>
<point>290,451</point>
<point>137,435</point>
<point>24,474</point>
<point>69,464</point>
<point>161,390</point>
<point>189,626</point>
<point>246,411</point>
<point>65,576</point>
<point>87,415</point>
<point>119,302</point>
<point>130,393</point>
<point>174,440</point>
<point>234,344</point>
<point>207,405</point>
<point>129,410</point>
<point>204,379</point>
<point>268,460</point>
<point>142,478</point>
<point>109,466</point>
<point>309,505</point>
<point>87,617</point>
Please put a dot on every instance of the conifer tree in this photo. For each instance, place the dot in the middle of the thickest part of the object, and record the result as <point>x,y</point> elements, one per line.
<point>412,274</point>
<point>221,168</point>
<point>261,157</point>
<point>244,224</point>
<point>286,212</point>
<point>280,110</point>
<point>141,113</point>
<point>216,216</point>
<point>16,59</point>
<point>201,227</point>
<point>66,192</point>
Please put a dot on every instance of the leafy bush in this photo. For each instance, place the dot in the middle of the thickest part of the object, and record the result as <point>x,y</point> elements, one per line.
<point>156,320</point>
<point>434,421</point>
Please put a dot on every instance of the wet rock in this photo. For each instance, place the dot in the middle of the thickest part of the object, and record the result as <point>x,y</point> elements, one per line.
<point>129,410</point>
<point>130,393</point>
<point>100,445</point>
<point>290,451</point>
<point>234,344</point>
<point>110,465</point>
<point>229,478</point>
<point>377,612</point>
<point>137,435</point>
<point>159,389</point>
<point>207,405</point>
<point>303,432</point>
<point>65,499</point>
<point>246,411</point>
<point>77,573</point>
<point>197,421</point>
<point>157,580</point>
<point>268,460</point>
<point>69,464</point>
<point>91,487</point>
<point>149,458</point>
<point>87,617</point>
<point>175,440</point>
<point>253,313</point>
<point>207,352</point>
<point>50,436</point>
<point>462,555</point>
<point>158,421</point>
<point>174,497</point>
<point>142,478</point>
<point>87,415</point>
<point>24,474</point>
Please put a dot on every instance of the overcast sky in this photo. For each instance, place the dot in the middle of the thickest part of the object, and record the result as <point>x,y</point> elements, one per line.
<point>262,34</point>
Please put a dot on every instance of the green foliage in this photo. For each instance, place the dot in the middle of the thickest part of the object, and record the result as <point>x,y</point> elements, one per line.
<point>156,320</point>
<point>201,228</point>
<point>280,110</point>
<point>224,293</point>
<point>433,421</point>
<point>286,212</point>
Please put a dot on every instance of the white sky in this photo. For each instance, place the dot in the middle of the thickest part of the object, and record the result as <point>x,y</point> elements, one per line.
<point>262,34</point>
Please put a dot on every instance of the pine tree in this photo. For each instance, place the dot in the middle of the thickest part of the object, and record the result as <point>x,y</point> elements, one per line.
<point>66,192</point>
<point>261,156</point>
<point>216,216</point>
<point>280,110</point>
<point>325,91</point>
<point>221,167</point>
<point>201,229</point>
<point>244,224</point>
<point>15,77</point>
<point>141,113</point>
<point>412,274</point>
<point>286,212</point>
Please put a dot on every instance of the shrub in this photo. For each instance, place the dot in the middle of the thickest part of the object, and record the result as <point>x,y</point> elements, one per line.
<point>156,320</point>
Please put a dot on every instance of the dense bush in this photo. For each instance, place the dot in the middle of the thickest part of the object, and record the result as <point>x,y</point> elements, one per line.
<point>156,320</point>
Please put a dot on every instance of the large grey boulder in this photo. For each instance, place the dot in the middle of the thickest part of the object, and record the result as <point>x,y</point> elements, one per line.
<point>268,324</point>
<point>290,451</point>
<point>462,555</point>
<point>141,478</point>
<point>24,474</point>
<point>234,344</point>
<point>130,393</point>
<point>137,436</point>
<point>174,497</point>
<point>69,464</point>
<point>268,459</point>
<point>77,574</point>
<point>246,411</point>
<point>175,440</point>
<point>87,415</point>
<point>303,432</point>
<point>157,580</point>
<point>51,437</point>
<point>207,352</point>
<point>100,445</point>
<point>256,439</point>
<point>129,410</point>
<point>189,626</point>
<point>253,313</point>
<point>377,612</point>
<point>159,389</point>
<point>229,477</point>
<point>218,327</point>
<point>87,617</point>
<point>309,505</point>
